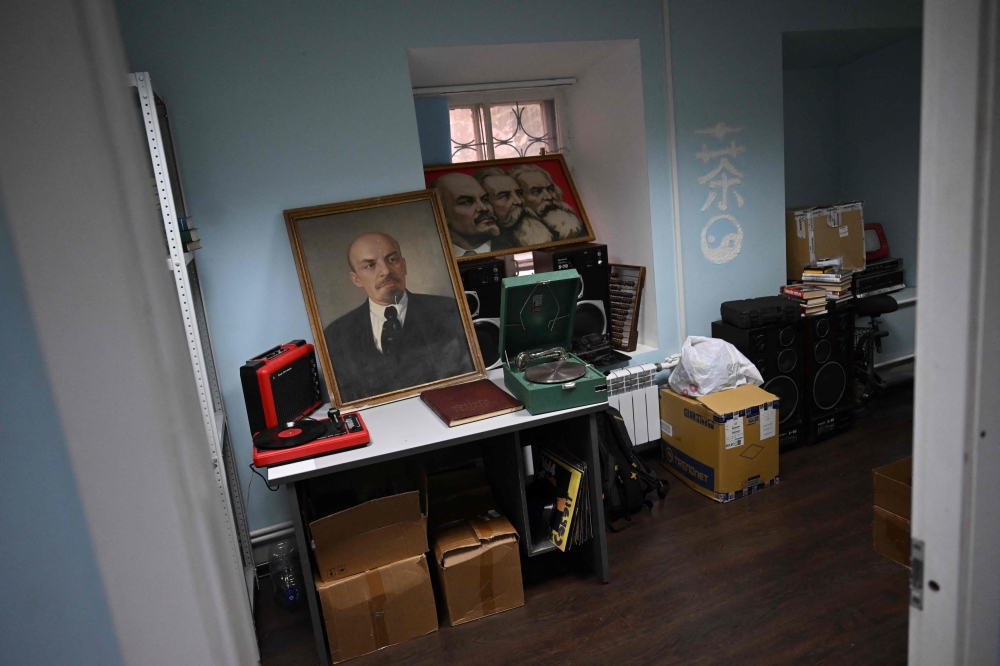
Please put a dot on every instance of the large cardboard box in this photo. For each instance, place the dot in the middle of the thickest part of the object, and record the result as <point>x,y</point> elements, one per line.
<point>824,232</point>
<point>723,445</point>
<point>478,567</point>
<point>893,486</point>
<point>369,535</point>
<point>378,608</point>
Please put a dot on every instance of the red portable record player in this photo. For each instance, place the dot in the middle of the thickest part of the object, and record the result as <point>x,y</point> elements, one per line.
<point>308,438</point>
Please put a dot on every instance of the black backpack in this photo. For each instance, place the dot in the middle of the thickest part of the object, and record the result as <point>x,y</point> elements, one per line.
<point>625,478</point>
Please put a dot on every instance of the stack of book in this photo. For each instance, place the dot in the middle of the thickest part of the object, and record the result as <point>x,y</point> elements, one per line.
<point>812,299</point>
<point>559,506</point>
<point>190,239</point>
<point>835,281</point>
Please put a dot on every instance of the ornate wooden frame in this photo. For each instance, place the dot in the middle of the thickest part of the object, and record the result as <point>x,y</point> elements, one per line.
<point>292,216</point>
<point>534,159</point>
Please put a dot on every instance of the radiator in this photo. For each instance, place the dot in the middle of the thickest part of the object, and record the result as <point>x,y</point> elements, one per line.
<point>633,392</point>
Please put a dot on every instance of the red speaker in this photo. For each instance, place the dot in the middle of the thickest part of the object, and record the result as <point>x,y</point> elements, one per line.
<point>280,385</point>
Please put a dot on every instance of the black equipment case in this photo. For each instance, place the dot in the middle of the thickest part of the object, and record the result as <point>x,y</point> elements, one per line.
<point>762,311</point>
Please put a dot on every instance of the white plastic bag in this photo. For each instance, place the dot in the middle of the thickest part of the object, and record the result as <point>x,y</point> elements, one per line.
<point>708,365</point>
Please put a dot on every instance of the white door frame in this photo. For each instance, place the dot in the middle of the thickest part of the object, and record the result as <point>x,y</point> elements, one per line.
<point>955,599</point>
<point>79,196</point>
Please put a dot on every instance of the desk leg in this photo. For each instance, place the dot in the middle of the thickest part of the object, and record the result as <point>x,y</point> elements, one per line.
<point>596,549</point>
<point>322,654</point>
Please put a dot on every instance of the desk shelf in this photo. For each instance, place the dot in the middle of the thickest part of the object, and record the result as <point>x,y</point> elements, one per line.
<point>408,429</point>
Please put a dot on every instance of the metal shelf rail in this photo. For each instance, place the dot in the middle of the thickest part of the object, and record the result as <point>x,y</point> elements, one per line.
<point>189,294</point>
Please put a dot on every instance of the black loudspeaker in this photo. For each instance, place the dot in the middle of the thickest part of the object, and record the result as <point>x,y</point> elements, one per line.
<point>776,350</point>
<point>481,281</point>
<point>828,341</point>
<point>281,384</point>
<point>593,305</point>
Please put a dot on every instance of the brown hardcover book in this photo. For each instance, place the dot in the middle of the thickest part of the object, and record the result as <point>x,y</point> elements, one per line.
<point>465,403</point>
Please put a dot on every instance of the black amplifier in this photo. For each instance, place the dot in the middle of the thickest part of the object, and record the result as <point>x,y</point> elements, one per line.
<point>886,265</point>
<point>281,384</point>
<point>878,283</point>
<point>763,311</point>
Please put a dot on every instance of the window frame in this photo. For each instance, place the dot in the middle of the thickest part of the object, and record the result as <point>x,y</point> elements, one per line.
<point>480,102</point>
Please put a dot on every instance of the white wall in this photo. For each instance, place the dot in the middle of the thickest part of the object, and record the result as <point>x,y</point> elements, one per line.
<point>608,157</point>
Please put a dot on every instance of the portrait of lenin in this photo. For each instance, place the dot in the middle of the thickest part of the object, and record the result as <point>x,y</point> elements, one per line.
<point>380,289</point>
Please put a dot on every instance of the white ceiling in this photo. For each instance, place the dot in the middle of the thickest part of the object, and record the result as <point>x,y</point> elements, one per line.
<point>497,63</point>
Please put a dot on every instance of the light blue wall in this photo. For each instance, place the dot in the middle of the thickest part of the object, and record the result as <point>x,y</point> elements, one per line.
<point>277,106</point>
<point>282,105</point>
<point>727,68</point>
<point>52,604</point>
<point>434,127</point>
<point>879,102</point>
<point>879,111</point>
<point>854,133</point>
<point>812,148</point>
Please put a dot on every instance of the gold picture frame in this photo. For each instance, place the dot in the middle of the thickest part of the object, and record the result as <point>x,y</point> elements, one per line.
<point>329,243</point>
<point>554,165</point>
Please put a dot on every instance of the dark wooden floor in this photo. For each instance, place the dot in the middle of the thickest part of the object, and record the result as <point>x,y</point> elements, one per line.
<point>786,576</point>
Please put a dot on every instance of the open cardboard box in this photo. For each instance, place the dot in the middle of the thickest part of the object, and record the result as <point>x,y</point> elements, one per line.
<point>824,232</point>
<point>723,445</point>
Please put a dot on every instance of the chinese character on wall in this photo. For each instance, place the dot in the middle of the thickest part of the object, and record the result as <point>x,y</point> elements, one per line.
<point>722,235</point>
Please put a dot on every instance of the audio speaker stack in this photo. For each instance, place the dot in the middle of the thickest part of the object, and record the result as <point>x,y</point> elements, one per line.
<point>593,303</point>
<point>777,352</point>
<point>828,344</point>
<point>482,281</point>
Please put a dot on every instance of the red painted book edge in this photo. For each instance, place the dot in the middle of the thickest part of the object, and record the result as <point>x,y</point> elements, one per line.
<point>443,401</point>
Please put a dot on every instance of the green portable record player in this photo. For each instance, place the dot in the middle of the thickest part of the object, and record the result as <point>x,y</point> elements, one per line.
<point>536,334</point>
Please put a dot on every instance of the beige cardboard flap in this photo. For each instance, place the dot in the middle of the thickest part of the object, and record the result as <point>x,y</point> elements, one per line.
<point>736,399</point>
<point>453,539</point>
<point>462,542</point>
<point>372,515</point>
<point>491,526</point>
<point>369,535</point>
<point>458,556</point>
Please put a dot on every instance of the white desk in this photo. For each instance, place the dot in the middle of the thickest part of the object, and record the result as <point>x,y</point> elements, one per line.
<point>408,427</point>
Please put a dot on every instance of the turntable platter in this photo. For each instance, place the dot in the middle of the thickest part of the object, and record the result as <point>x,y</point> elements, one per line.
<point>556,372</point>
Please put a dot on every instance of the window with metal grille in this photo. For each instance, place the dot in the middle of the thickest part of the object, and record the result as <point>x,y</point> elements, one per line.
<point>487,131</point>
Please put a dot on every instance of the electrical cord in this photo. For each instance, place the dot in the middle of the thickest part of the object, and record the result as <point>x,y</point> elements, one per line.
<point>250,485</point>
<point>255,471</point>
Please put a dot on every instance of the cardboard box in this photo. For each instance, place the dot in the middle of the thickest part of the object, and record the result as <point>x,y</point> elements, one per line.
<point>824,232</point>
<point>891,536</point>
<point>378,608</point>
<point>479,568</point>
<point>369,535</point>
<point>893,486</point>
<point>723,445</point>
